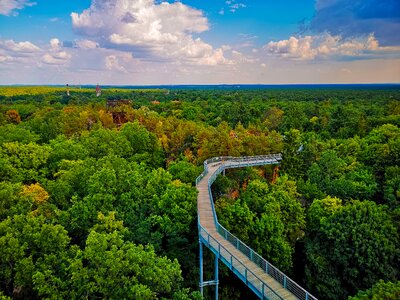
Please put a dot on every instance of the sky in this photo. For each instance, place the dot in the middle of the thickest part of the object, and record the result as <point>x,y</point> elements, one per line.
<point>151,42</point>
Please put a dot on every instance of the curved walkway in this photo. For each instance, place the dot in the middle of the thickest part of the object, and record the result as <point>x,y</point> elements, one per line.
<point>265,280</point>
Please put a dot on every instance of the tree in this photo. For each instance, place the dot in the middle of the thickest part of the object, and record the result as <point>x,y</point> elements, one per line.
<point>13,133</point>
<point>23,162</point>
<point>13,116</point>
<point>144,144</point>
<point>24,241</point>
<point>236,217</point>
<point>269,227</point>
<point>273,118</point>
<point>184,171</point>
<point>110,267</point>
<point>355,247</point>
<point>380,290</point>
<point>320,210</point>
<point>392,187</point>
<point>11,201</point>
<point>292,162</point>
<point>266,213</point>
<point>336,177</point>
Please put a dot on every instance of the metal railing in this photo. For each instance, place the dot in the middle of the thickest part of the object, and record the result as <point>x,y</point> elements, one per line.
<point>249,277</point>
<point>268,268</point>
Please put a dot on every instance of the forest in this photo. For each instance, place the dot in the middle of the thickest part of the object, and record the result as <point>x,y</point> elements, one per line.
<point>98,201</point>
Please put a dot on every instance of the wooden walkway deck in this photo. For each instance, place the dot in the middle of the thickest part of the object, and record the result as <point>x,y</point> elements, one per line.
<point>254,274</point>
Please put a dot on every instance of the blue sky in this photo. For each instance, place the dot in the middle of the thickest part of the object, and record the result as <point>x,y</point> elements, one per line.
<point>199,42</point>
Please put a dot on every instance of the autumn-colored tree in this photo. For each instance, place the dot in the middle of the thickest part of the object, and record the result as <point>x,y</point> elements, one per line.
<point>13,116</point>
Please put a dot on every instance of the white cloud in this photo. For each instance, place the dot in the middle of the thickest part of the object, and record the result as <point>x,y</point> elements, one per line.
<point>117,62</point>
<point>9,7</point>
<point>234,7</point>
<point>18,47</point>
<point>86,44</point>
<point>326,45</point>
<point>5,58</point>
<point>55,44</point>
<point>150,30</point>
<point>55,54</point>
<point>29,54</point>
<point>55,58</point>
<point>239,57</point>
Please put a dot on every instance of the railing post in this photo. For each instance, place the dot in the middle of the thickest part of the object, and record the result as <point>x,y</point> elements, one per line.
<point>251,254</point>
<point>284,281</point>
<point>245,274</point>
<point>306,295</point>
<point>262,291</point>
<point>237,243</point>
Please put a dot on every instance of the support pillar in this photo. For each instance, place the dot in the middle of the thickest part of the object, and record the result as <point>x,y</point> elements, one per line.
<point>201,267</point>
<point>203,283</point>
<point>216,276</point>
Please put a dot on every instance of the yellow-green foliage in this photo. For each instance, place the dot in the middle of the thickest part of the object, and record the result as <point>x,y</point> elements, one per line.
<point>10,91</point>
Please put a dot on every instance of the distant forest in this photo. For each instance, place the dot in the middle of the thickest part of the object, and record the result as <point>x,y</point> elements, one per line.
<point>98,197</point>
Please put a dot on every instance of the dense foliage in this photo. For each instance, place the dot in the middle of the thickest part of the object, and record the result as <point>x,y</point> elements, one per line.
<point>92,209</point>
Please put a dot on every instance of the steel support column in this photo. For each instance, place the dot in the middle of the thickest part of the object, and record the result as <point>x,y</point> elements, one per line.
<point>216,276</point>
<point>201,284</point>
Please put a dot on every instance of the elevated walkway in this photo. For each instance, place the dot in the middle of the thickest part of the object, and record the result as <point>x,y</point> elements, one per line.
<point>265,280</point>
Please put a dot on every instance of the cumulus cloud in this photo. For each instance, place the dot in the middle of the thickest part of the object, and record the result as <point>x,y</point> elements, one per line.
<point>350,18</point>
<point>19,47</point>
<point>148,29</point>
<point>57,58</point>
<point>30,54</point>
<point>326,45</point>
<point>86,44</point>
<point>55,54</point>
<point>9,7</point>
<point>117,62</point>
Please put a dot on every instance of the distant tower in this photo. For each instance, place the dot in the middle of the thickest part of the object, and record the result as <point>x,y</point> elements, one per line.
<point>67,85</point>
<point>98,90</point>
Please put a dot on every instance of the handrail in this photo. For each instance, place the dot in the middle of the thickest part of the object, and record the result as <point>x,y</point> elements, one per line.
<point>264,286</point>
<point>271,270</point>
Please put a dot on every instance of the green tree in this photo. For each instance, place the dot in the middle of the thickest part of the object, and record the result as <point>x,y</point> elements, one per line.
<point>336,177</point>
<point>184,171</point>
<point>380,290</point>
<point>23,162</point>
<point>110,267</point>
<point>24,241</point>
<point>13,133</point>
<point>355,247</point>
<point>292,162</point>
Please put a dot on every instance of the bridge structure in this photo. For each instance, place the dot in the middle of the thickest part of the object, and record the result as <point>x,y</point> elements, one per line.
<point>264,279</point>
